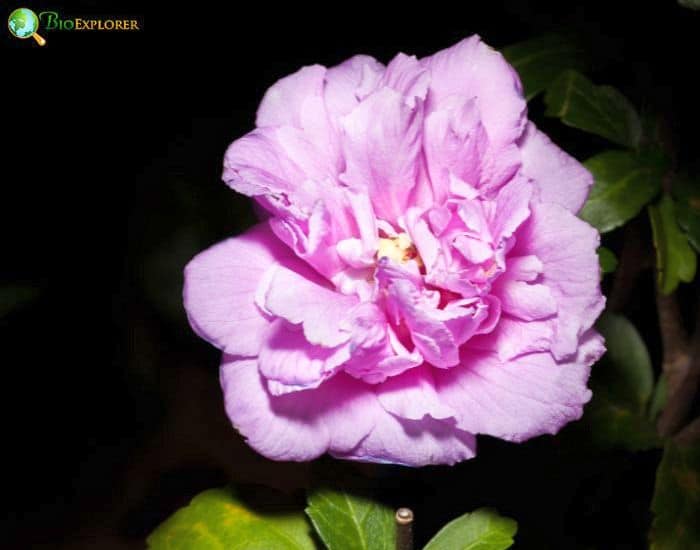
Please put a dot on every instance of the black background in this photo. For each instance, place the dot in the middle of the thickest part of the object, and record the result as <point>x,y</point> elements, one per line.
<point>112,153</point>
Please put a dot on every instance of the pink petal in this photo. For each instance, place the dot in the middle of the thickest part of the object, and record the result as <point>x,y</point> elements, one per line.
<point>512,208</point>
<point>519,399</point>
<point>220,287</point>
<point>412,396</point>
<point>288,358</point>
<point>474,250</point>
<point>524,268</point>
<point>297,101</point>
<point>300,299</point>
<point>349,83</point>
<point>566,246</point>
<point>301,425</point>
<point>455,142</point>
<point>429,334</point>
<point>560,178</point>
<point>473,69</point>
<point>513,337</point>
<point>406,75</point>
<point>413,443</point>
<point>525,301</point>
<point>382,145</point>
<point>277,161</point>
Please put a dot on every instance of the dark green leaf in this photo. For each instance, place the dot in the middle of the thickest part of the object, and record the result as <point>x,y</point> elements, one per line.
<point>614,426</point>
<point>13,297</point>
<point>628,370</point>
<point>691,4</point>
<point>675,259</point>
<point>349,521</point>
<point>540,60</point>
<point>676,502</point>
<point>216,519</point>
<point>624,184</point>
<point>622,383</point>
<point>686,193</point>
<point>483,529</point>
<point>658,398</point>
<point>600,110</point>
<point>608,261</point>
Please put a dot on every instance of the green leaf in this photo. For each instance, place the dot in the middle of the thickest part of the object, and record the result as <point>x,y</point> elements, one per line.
<point>622,383</point>
<point>600,110</point>
<point>658,398</point>
<point>675,259</point>
<point>690,4</point>
<point>13,297</point>
<point>628,371</point>
<point>608,261</point>
<point>676,502</point>
<point>540,60</point>
<point>216,519</point>
<point>624,184</point>
<point>349,521</point>
<point>483,529</point>
<point>686,193</point>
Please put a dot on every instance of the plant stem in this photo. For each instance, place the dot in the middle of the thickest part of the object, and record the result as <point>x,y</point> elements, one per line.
<point>404,529</point>
<point>681,367</point>
<point>634,258</point>
<point>690,434</point>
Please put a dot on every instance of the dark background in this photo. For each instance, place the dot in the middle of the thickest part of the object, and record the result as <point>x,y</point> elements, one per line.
<point>113,144</point>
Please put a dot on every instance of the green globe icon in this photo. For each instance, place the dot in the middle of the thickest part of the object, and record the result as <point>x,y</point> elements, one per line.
<point>23,23</point>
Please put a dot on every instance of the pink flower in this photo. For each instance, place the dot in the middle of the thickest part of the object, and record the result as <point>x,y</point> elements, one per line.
<point>422,277</point>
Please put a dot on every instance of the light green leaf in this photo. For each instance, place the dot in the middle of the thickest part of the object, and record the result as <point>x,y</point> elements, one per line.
<point>686,193</point>
<point>675,259</point>
<point>624,184</point>
<point>540,60</point>
<point>600,110</point>
<point>13,297</point>
<point>216,519</point>
<point>483,529</point>
<point>676,502</point>
<point>349,521</point>
<point>607,260</point>
<point>622,383</point>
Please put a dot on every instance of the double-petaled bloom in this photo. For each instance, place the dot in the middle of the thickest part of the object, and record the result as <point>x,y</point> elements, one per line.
<point>421,276</point>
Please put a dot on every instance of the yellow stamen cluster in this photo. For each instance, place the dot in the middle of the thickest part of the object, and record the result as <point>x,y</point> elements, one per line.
<point>399,248</point>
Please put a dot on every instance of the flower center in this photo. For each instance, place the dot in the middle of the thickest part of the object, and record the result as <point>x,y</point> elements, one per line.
<point>399,248</point>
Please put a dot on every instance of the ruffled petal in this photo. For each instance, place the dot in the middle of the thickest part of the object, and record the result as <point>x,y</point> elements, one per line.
<point>298,101</point>
<point>471,69</point>
<point>220,287</point>
<point>382,147</point>
<point>560,178</point>
<point>280,164</point>
<point>287,357</point>
<point>525,301</point>
<point>519,399</point>
<point>299,298</point>
<point>412,396</point>
<point>349,83</point>
<point>513,337</point>
<point>413,443</point>
<point>298,426</point>
<point>406,75</point>
<point>455,142</point>
<point>566,246</point>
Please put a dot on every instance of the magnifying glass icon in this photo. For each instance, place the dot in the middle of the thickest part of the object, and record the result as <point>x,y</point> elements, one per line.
<point>24,23</point>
